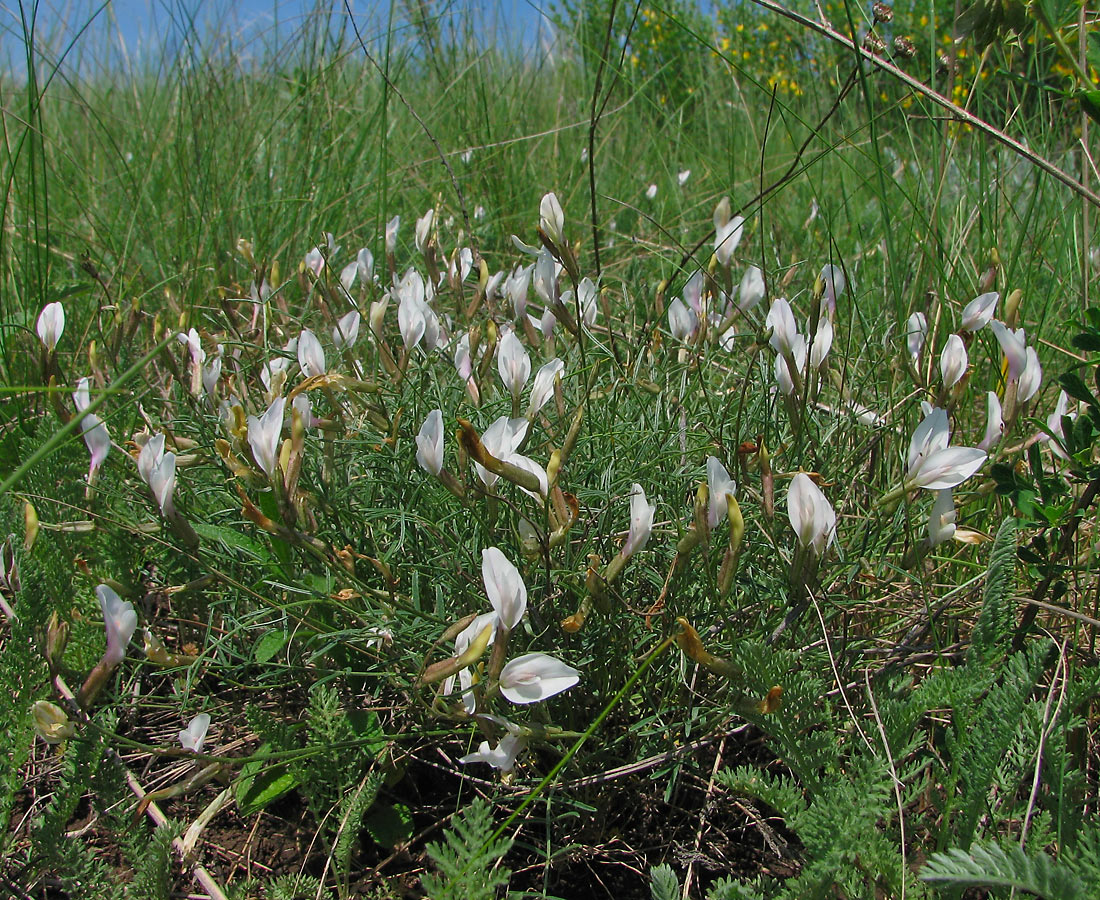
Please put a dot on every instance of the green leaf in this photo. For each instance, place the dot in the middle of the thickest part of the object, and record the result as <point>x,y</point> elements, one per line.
<point>1090,104</point>
<point>268,645</point>
<point>663,883</point>
<point>1087,341</point>
<point>1073,385</point>
<point>261,782</point>
<point>233,540</point>
<point>988,865</point>
<point>389,825</point>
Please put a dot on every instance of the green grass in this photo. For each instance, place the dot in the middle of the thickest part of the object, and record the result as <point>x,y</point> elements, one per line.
<point>127,196</point>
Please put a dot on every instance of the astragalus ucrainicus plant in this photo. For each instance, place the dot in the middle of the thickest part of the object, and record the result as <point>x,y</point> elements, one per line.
<point>664,465</point>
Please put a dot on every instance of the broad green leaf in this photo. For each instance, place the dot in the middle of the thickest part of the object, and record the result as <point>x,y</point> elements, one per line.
<point>389,825</point>
<point>261,782</point>
<point>267,646</point>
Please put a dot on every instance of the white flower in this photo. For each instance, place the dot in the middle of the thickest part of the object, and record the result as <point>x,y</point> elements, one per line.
<point>947,468</point>
<point>162,482</point>
<point>542,388</point>
<point>314,261</point>
<point>727,232</point>
<point>364,265</point>
<point>812,517</point>
<point>460,265</point>
<point>502,757</point>
<point>551,218</point>
<point>515,288</point>
<point>429,443</point>
<point>833,283</point>
<point>504,587</point>
<point>934,465</point>
<point>682,177</point>
<point>994,423</point>
<point>916,329</point>
<point>783,376</point>
<point>784,328</point>
<point>195,733</point>
<point>51,324</point>
<point>823,340</point>
<point>501,439</point>
<point>479,213</point>
<point>212,371</point>
<point>346,332</point>
<point>534,677</point>
<point>149,456</point>
<point>264,433</point>
<point>586,294</point>
<point>751,290</point>
<point>1030,378</point>
<point>424,229</point>
<point>953,361</point>
<point>120,621</point>
<point>513,363</point>
<point>682,320</point>
<point>1054,425</point>
<point>641,521</point>
<point>194,346</point>
<point>311,355</point>
<point>651,192</point>
<point>98,441</point>
<point>348,274</point>
<point>1014,346</point>
<point>544,278</point>
<point>941,521</point>
<point>391,234</point>
<point>931,435</point>
<point>979,311</point>
<point>719,484</point>
<point>547,322</point>
<point>304,407</point>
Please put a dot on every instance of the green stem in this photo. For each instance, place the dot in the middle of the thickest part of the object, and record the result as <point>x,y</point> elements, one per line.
<point>572,751</point>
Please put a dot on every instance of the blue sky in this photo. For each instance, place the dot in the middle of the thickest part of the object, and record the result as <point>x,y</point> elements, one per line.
<point>116,30</point>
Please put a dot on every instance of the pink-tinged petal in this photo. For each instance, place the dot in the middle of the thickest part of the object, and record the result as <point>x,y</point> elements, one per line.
<point>931,435</point>
<point>120,621</point>
<point>994,423</point>
<point>534,677</point>
<point>346,332</point>
<point>953,361</point>
<point>429,443</point>
<point>311,356</point>
<point>916,329</point>
<point>812,516</point>
<point>948,468</point>
<point>264,433</point>
<point>784,328</point>
<point>751,290</point>
<point>513,363</point>
<point>979,312</point>
<point>194,734</point>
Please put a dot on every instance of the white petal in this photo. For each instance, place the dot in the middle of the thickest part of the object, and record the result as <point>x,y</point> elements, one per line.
<point>504,587</point>
<point>534,677</point>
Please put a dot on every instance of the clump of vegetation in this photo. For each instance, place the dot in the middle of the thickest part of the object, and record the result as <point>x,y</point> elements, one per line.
<point>656,463</point>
